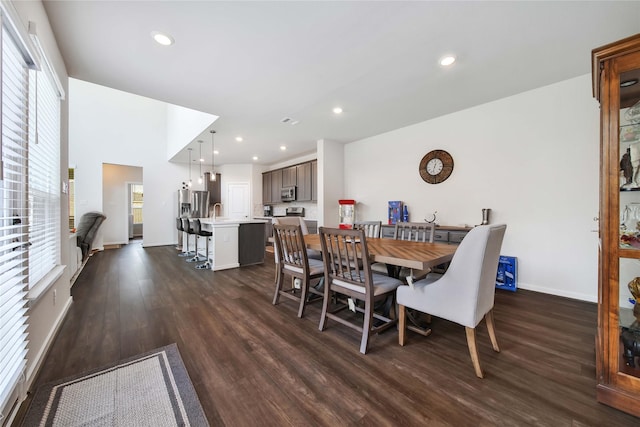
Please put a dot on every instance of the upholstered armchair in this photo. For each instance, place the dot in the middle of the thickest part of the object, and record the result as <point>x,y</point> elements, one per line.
<point>465,293</point>
<point>86,231</point>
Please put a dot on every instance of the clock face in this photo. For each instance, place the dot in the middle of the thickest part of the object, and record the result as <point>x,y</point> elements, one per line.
<point>436,166</point>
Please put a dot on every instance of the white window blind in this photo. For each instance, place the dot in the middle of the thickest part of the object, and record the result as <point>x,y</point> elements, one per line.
<point>44,176</point>
<point>13,215</point>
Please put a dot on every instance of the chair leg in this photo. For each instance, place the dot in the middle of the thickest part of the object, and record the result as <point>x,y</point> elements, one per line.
<point>325,305</point>
<point>402,325</point>
<point>279,280</point>
<point>304,291</point>
<point>473,350</point>
<point>366,327</point>
<point>491,327</point>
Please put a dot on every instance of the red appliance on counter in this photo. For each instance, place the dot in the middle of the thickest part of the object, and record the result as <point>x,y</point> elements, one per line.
<point>347,213</point>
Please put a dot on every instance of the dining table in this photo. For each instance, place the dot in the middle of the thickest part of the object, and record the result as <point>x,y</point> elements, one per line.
<point>400,253</point>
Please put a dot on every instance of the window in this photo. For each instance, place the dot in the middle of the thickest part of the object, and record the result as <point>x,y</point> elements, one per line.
<point>14,215</point>
<point>29,193</point>
<point>136,203</point>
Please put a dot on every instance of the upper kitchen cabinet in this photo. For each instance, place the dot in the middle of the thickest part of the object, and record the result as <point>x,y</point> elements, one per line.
<point>314,180</point>
<point>303,176</point>
<point>304,182</point>
<point>616,77</point>
<point>266,188</point>
<point>276,185</point>
<point>289,177</point>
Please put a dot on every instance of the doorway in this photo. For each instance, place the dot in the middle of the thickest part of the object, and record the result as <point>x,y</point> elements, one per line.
<point>118,200</point>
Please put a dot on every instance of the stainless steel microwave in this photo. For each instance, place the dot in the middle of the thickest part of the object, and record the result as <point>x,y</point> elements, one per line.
<point>288,194</point>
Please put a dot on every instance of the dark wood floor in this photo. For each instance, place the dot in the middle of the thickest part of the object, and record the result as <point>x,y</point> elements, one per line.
<point>253,363</point>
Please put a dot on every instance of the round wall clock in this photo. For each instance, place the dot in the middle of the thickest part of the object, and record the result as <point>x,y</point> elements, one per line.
<point>436,166</point>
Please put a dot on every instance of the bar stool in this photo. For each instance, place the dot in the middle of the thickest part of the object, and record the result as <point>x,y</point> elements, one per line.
<point>182,230</point>
<point>199,232</point>
<point>186,225</point>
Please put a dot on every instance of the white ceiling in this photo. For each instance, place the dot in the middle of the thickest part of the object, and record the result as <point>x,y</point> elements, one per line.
<point>254,63</point>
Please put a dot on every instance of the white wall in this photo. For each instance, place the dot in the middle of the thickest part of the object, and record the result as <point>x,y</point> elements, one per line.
<point>110,126</point>
<point>115,201</point>
<point>183,126</point>
<point>332,182</point>
<point>532,158</point>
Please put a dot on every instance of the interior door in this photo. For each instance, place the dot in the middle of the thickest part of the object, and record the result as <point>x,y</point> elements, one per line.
<point>238,201</point>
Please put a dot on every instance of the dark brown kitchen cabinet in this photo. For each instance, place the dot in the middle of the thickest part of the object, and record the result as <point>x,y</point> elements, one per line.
<point>276,185</point>
<point>289,177</point>
<point>616,72</point>
<point>314,180</point>
<point>304,182</point>
<point>266,188</point>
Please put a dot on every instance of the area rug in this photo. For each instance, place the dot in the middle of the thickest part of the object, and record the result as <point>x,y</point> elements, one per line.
<point>152,389</point>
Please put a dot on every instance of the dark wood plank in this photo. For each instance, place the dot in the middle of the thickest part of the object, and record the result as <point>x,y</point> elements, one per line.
<point>255,363</point>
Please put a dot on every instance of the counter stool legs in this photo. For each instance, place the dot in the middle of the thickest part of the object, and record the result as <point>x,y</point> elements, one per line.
<point>196,257</point>
<point>207,264</point>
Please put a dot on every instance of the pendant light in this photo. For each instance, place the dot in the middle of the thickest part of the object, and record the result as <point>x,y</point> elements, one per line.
<point>190,182</point>
<point>201,160</point>
<point>213,148</point>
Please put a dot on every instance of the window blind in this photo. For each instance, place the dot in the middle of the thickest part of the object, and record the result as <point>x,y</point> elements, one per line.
<point>13,215</point>
<point>44,176</point>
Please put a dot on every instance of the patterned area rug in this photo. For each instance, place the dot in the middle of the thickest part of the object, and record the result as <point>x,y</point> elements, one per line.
<point>152,389</point>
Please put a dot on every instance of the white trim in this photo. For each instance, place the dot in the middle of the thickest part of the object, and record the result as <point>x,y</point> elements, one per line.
<point>551,291</point>
<point>20,33</point>
<point>44,284</point>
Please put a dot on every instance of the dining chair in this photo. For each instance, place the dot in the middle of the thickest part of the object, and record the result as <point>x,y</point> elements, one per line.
<point>293,261</point>
<point>346,276</point>
<point>371,228</point>
<point>417,232</point>
<point>465,293</point>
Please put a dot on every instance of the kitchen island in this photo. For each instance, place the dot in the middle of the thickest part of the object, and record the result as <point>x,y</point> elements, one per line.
<point>233,243</point>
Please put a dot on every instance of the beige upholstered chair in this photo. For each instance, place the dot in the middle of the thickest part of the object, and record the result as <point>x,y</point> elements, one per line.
<point>293,261</point>
<point>344,276</point>
<point>465,293</point>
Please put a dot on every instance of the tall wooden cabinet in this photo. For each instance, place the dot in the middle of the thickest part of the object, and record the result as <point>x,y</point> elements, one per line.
<point>616,85</point>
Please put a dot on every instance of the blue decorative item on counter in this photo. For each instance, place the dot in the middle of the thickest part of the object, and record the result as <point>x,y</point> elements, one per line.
<point>405,214</point>
<point>395,212</point>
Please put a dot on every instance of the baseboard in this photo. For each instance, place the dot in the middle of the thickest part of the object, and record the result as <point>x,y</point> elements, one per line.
<point>559,292</point>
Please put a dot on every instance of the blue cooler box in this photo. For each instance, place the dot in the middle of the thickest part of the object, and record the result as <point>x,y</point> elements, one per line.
<point>507,277</point>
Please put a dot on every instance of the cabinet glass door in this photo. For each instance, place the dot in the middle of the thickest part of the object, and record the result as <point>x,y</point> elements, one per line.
<point>629,262</point>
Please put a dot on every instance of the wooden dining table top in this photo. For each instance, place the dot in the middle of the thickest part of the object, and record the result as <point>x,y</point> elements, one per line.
<point>403,253</point>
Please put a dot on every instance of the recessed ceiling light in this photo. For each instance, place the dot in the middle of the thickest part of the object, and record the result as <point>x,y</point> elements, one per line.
<point>283,147</point>
<point>447,60</point>
<point>162,38</point>
<point>239,138</point>
<point>295,122</point>
<point>216,152</point>
<point>337,110</point>
<point>628,83</point>
<point>255,157</point>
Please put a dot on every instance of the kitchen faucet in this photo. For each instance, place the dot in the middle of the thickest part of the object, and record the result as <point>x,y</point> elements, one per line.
<point>214,209</point>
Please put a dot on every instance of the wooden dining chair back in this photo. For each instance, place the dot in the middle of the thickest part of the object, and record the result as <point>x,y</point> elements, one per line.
<point>347,272</point>
<point>465,293</point>
<point>371,228</point>
<point>294,262</point>
<point>416,231</point>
